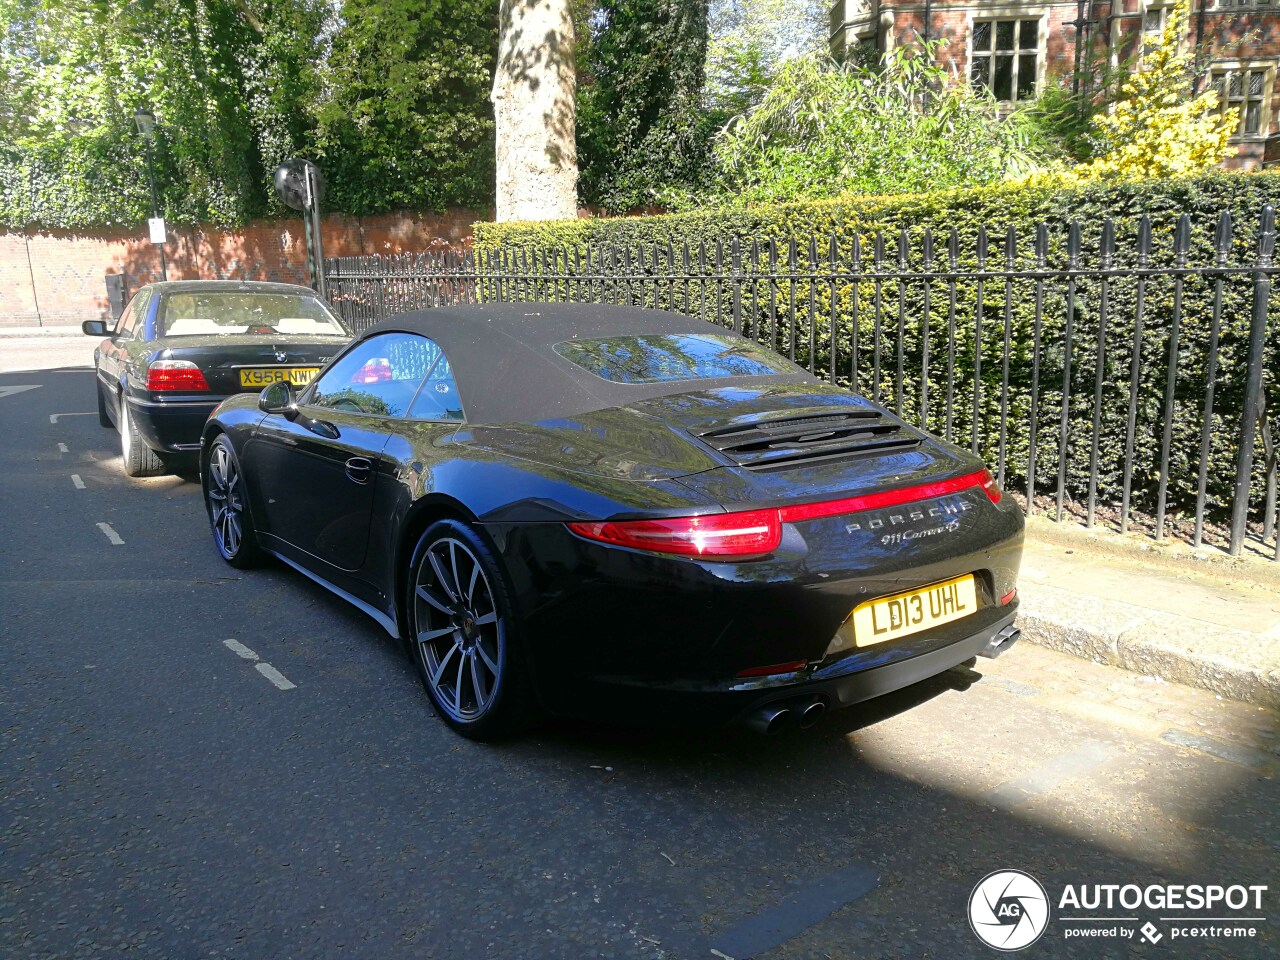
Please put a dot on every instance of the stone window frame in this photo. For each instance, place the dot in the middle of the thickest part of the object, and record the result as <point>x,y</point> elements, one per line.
<point>1267,67</point>
<point>1012,11</point>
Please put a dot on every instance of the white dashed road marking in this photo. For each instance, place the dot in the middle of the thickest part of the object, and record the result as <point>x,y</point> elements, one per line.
<point>62,448</point>
<point>75,479</point>
<point>275,676</point>
<point>238,648</point>
<point>278,679</point>
<point>53,417</point>
<point>111,534</point>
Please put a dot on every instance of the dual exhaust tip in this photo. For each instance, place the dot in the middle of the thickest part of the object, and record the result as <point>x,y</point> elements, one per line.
<point>775,717</point>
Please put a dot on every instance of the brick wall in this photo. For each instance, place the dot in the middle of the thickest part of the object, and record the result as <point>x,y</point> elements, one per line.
<point>51,277</point>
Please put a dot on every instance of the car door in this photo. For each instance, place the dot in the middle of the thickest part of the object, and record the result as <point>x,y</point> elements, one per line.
<point>113,354</point>
<point>315,473</point>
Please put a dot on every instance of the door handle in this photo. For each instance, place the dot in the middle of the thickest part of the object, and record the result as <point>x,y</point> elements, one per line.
<point>359,470</point>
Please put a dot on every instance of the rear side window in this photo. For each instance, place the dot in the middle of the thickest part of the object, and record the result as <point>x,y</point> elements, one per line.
<point>666,357</point>
<point>382,375</point>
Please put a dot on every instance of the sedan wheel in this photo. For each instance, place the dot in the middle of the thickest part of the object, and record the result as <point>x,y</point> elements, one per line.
<point>224,497</point>
<point>461,631</point>
<point>139,459</point>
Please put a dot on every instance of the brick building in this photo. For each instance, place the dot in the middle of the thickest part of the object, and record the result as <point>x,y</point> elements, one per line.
<point>1015,47</point>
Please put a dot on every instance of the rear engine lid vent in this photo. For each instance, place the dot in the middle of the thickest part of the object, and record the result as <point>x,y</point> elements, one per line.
<point>774,443</point>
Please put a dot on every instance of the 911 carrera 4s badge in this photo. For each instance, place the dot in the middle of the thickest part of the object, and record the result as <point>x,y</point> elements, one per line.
<point>896,522</point>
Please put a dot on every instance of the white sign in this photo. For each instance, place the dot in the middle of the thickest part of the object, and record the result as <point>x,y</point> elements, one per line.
<point>156,225</point>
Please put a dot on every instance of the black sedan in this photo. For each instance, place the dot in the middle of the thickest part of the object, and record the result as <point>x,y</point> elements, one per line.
<point>617,512</point>
<point>182,347</point>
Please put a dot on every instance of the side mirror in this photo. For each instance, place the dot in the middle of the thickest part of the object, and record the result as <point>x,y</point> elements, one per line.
<point>95,328</point>
<point>279,399</point>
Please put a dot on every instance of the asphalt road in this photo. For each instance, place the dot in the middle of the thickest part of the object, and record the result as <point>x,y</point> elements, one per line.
<point>163,794</point>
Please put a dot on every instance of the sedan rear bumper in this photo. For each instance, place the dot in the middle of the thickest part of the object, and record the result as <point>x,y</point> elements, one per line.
<point>172,426</point>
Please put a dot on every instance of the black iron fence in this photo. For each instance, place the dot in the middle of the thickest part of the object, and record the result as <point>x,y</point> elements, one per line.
<point>1127,375</point>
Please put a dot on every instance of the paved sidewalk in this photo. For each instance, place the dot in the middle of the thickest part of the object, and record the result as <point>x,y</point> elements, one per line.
<point>1166,612</point>
<point>54,330</point>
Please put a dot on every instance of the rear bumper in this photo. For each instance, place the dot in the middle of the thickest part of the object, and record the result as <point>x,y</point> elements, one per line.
<point>619,633</point>
<point>172,426</point>
<point>840,685</point>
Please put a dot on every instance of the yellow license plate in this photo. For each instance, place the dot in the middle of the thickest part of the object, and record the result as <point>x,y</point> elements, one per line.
<point>265,376</point>
<point>888,618</point>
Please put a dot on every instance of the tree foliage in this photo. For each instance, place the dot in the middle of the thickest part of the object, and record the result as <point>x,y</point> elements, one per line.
<point>826,128</point>
<point>1158,127</point>
<point>750,40</point>
<point>643,137</point>
<point>391,96</point>
<point>223,76</point>
<point>404,119</point>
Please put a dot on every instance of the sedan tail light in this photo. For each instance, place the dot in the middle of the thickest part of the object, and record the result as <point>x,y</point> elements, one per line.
<point>171,375</point>
<point>747,534</point>
<point>753,533</point>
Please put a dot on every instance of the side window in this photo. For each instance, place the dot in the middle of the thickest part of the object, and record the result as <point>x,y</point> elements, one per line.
<point>131,321</point>
<point>124,326</point>
<point>438,399</point>
<point>379,376</point>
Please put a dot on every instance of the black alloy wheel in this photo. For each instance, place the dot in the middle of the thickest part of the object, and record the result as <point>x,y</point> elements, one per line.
<point>462,629</point>
<point>224,497</point>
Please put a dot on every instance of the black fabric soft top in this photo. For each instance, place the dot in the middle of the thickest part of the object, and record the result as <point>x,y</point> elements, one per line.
<point>507,370</point>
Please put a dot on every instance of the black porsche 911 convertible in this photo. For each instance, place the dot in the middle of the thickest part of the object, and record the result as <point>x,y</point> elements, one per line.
<point>616,512</point>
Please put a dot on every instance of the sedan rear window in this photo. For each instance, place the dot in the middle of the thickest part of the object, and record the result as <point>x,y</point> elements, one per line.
<point>210,313</point>
<point>666,357</point>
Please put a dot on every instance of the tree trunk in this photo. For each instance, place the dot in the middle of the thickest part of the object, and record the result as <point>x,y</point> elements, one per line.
<point>533,104</point>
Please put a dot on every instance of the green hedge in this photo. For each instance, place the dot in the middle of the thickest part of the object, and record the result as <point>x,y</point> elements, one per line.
<point>651,253</point>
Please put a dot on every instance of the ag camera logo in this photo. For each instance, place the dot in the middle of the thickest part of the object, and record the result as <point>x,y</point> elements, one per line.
<point>1008,910</point>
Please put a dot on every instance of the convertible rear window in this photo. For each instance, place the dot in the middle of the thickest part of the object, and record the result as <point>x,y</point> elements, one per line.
<point>665,357</point>
<point>210,313</point>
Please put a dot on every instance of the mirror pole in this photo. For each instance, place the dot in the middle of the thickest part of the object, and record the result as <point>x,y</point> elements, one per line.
<point>317,244</point>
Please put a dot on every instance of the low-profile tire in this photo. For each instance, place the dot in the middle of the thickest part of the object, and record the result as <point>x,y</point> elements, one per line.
<point>464,634</point>
<point>104,415</point>
<point>139,459</point>
<point>225,500</point>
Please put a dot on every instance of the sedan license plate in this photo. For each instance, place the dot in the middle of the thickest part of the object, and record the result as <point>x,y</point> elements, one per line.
<point>888,618</point>
<point>265,376</point>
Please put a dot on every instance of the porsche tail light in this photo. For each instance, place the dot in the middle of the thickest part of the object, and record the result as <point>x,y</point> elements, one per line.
<point>753,533</point>
<point>175,375</point>
<point>892,498</point>
<point>989,487</point>
<point>718,535</point>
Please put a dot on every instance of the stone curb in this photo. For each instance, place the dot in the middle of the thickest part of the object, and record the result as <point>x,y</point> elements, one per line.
<point>1233,663</point>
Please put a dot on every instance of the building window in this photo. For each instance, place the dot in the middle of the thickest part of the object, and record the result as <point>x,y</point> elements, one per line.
<point>1154,19</point>
<point>1246,90</point>
<point>1006,58</point>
